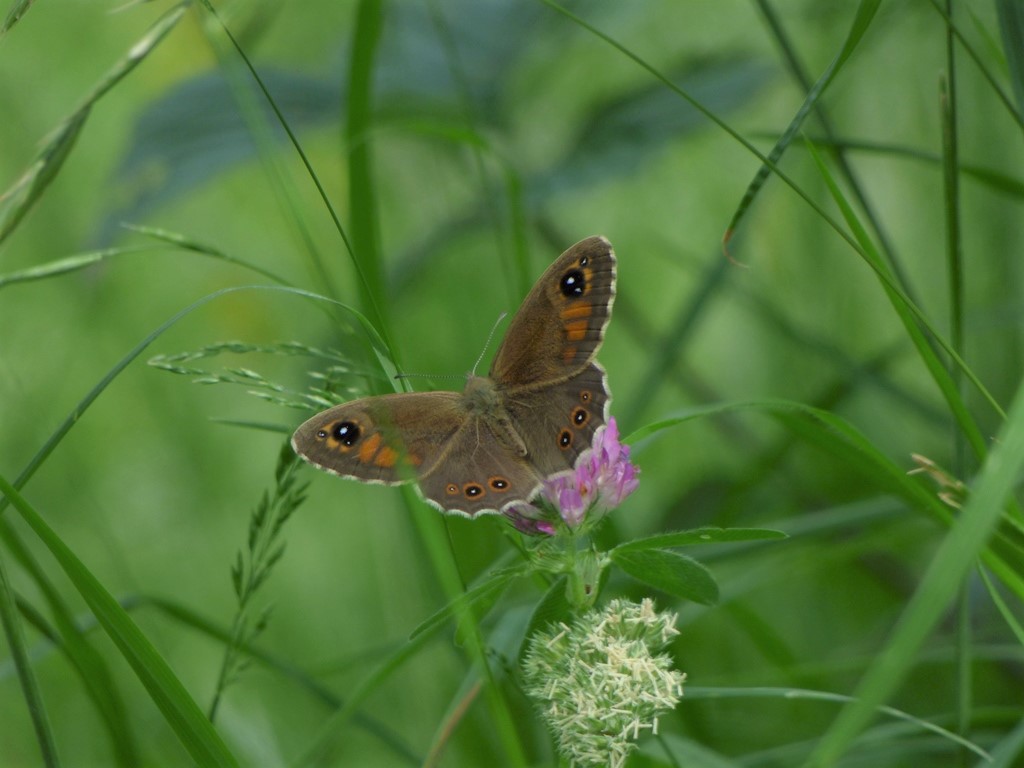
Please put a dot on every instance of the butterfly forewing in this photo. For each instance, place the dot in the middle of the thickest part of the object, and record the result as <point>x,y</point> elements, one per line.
<point>386,439</point>
<point>561,323</point>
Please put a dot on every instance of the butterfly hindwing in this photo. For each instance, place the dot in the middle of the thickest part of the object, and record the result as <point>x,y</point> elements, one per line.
<point>558,422</point>
<point>479,472</point>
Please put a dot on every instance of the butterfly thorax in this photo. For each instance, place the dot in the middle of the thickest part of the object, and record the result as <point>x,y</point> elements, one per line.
<point>483,399</point>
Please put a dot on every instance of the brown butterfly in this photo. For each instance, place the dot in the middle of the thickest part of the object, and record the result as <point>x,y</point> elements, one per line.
<point>495,443</point>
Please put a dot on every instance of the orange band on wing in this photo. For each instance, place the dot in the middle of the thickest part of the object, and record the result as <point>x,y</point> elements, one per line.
<point>386,457</point>
<point>369,448</point>
<point>576,311</point>
<point>576,330</point>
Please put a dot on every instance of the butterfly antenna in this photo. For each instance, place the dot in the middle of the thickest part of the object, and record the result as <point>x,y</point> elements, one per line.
<point>490,336</point>
<point>426,375</point>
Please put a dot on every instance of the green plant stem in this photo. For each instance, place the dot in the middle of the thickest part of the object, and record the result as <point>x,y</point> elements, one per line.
<point>431,530</point>
<point>364,221</point>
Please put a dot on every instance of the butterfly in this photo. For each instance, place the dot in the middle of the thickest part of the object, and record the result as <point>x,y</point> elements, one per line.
<point>494,444</point>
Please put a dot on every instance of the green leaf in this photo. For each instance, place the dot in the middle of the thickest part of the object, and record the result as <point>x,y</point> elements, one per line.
<point>707,535</point>
<point>670,572</point>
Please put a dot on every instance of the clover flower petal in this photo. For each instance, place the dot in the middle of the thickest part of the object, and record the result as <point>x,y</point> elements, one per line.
<point>599,483</point>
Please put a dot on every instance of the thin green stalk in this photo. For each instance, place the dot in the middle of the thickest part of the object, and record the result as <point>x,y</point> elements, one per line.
<point>955,270</point>
<point>264,143</point>
<point>989,77</point>
<point>954,247</point>
<point>364,216</point>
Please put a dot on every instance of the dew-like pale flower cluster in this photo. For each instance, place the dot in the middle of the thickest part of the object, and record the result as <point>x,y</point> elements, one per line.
<point>603,681</point>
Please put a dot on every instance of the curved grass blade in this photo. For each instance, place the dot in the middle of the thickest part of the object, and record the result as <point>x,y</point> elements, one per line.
<point>97,681</point>
<point>179,709</point>
<point>958,552</point>
<point>187,243</point>
<point>19,199</point>
<point>67,265</point>
<point>916,325</point>
<point>19,9</point>
<point>83,260</point>
<point>495,582</point>
<point>841,438</point>
<point>861,21</point>
<point>787,694</point>
<point>85,656</point>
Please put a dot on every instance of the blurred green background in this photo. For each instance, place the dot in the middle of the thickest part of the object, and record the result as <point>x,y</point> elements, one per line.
<point>502,132</point>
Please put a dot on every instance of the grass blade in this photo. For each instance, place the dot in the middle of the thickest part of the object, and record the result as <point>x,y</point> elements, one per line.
<point>179,709</point>
<point>97,681</point>
<point>915,324</point>
<point>495,582</point>
<point>861,21</point>
<point>14,15</point>
<point>1011,29</point>
<point>19,199</point>
<point>958,552</point>
<point>26,676</point>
